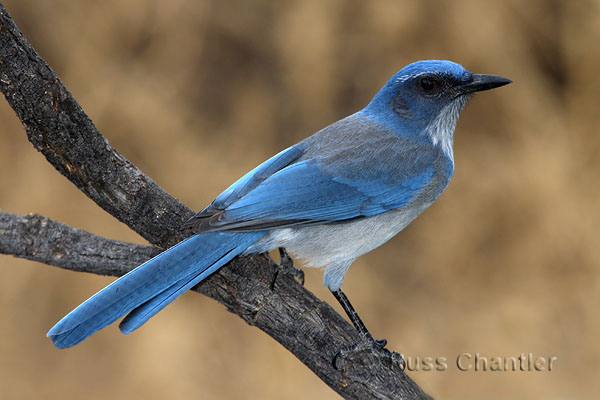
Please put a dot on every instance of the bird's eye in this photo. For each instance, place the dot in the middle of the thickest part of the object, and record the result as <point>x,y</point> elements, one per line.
<point>427,84</point>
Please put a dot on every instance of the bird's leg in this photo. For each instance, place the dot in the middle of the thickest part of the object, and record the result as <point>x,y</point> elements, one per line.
<point>285,260</point>
<point>369,343</point>
<point>286,266</point>
<point>353,315</point>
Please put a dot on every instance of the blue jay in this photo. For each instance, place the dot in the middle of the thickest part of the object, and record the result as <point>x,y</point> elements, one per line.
<point>327,200</point>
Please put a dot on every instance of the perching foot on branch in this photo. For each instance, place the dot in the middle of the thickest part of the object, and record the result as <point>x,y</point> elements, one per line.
<point>286,266</point>
<point>367,342</point>
<point>365,348</point>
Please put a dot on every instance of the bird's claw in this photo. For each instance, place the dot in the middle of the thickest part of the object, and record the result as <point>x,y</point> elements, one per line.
<point>368,343</point>
<point>286,266</point>
<point>377,342</point>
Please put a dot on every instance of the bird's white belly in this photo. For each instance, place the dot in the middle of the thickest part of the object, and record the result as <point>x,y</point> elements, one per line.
<point>324,245</point>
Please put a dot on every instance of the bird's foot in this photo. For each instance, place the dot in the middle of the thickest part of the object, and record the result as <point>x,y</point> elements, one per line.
<point>377,342</point>
<point>365,348</point>
<point>286,266</point>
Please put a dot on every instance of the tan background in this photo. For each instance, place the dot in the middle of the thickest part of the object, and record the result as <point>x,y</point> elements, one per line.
<point>198,92</point>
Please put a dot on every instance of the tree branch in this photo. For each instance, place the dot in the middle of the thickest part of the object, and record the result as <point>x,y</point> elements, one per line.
<point>42,239</point>
<point>57,126</point>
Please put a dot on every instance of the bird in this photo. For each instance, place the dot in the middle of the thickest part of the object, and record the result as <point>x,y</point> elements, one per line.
<point>327,200</point>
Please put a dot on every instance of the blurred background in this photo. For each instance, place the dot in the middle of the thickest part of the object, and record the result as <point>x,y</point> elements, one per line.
<point>198,92</point>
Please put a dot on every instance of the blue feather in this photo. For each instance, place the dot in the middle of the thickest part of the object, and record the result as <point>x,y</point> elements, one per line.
<point>303,191</point>
<point>256,176</point>
<point>151,286</point>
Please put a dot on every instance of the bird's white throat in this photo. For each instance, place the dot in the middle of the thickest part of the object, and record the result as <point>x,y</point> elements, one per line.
<point>441,130</point>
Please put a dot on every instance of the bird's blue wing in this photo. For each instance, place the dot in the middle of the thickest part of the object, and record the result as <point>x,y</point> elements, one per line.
<point>351,169</point>
<point>303,193</point>
<point>253,178</point>
<point>248,182</point>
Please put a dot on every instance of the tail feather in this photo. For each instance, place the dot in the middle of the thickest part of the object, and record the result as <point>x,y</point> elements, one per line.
<point>143,313</point>
<point>151,286</point>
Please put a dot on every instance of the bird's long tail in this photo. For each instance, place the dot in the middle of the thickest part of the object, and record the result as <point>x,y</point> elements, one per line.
<point>152,286</point>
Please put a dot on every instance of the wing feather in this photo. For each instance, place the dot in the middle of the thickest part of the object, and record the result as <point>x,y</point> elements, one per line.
<point>351,169</point>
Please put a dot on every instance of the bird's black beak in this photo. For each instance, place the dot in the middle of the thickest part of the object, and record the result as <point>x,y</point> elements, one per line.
<point>480,82</point>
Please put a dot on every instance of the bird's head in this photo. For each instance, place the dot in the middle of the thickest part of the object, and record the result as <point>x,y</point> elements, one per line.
<point>425,98</point>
